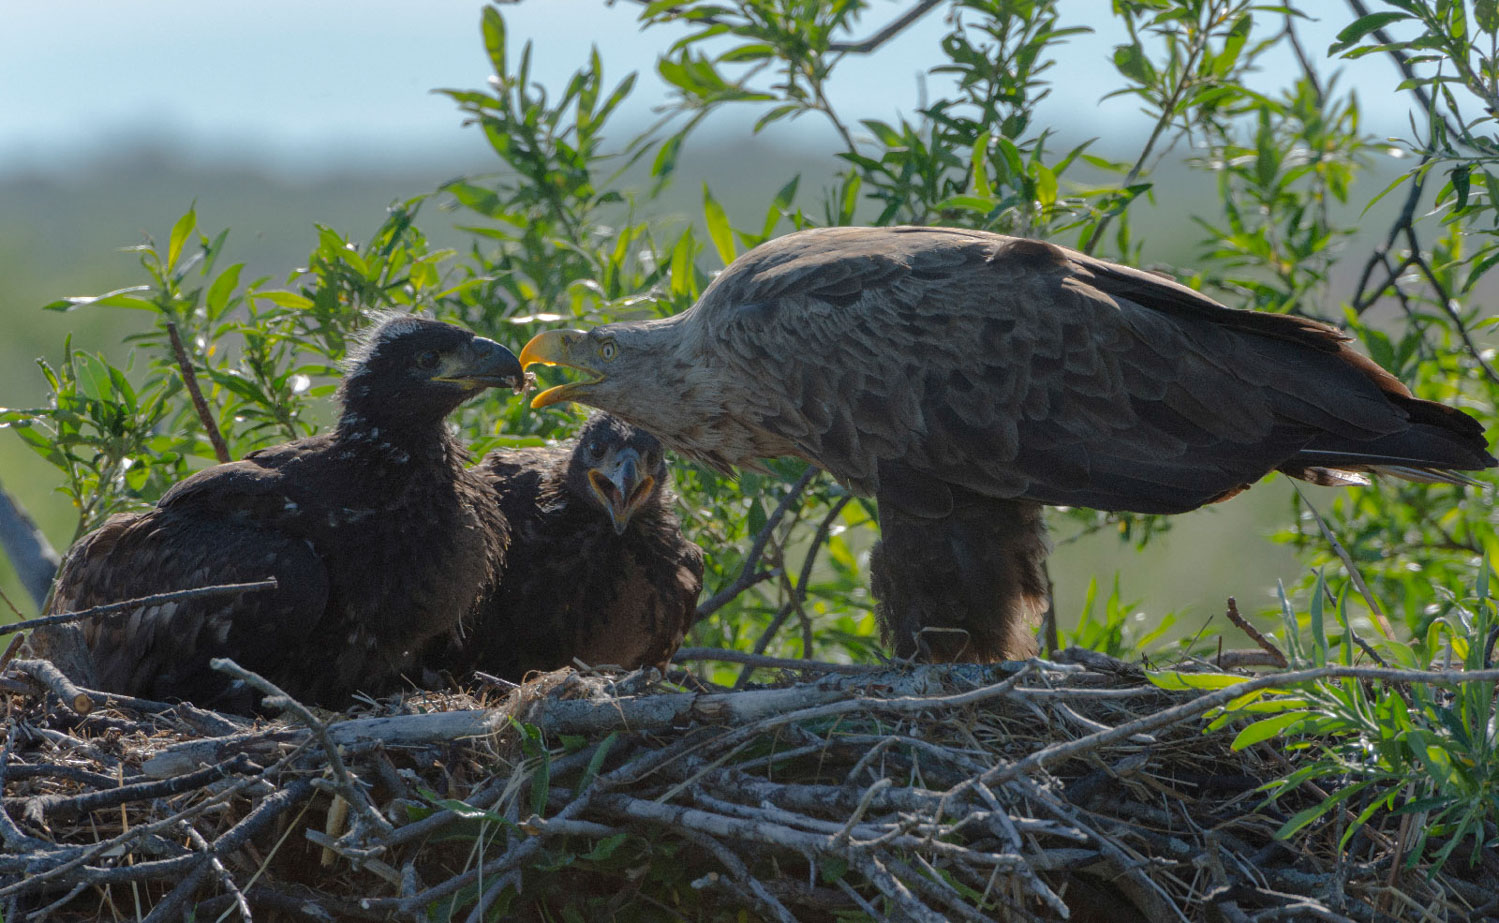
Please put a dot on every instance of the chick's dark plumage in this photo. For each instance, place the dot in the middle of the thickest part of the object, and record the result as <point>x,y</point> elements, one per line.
<point>598,571</point>
<point>379,536</point>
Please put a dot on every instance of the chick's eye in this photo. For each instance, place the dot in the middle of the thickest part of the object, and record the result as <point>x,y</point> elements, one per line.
<point>652,458</point>
<point>608,350</point>
<point>595,450</point>
<point>427,359</point>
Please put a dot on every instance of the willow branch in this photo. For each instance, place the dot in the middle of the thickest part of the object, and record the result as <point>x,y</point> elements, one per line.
<point>190,378</point>
<point>748,574</point>
<point>1168,112</point>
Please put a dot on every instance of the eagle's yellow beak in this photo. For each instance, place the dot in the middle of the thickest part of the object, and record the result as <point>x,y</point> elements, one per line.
<point>555,347</point>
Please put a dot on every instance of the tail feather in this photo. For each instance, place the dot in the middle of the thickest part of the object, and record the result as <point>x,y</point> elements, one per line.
<point>1429,452</point>
<point>1427,475</point>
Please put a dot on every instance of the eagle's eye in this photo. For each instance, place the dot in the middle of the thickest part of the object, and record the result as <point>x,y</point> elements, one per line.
<point>652,458</point>
<point>608,350</point>
<point>427,359</point>
<point>595,451</point>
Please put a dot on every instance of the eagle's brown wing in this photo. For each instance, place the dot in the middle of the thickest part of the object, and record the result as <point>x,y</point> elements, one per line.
<point>906,359</point>
<point>162,651</point>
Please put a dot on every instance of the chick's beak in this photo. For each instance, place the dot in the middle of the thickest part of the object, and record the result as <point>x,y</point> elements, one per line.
<point>621,487</point>
<point>483,363</point>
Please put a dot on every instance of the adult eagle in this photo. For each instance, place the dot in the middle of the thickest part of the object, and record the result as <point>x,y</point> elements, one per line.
<point>379,536</point>
<point>965,378</point>
<point>598,571</point>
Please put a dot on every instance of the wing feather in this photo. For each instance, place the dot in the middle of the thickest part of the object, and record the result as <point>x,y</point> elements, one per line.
<point>1018,369</point>
<point>162,651</point>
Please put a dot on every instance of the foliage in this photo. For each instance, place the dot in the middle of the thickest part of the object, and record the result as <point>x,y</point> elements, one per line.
<point>1115,631</point>
<point>567,230</point>
<point>1407,749</point>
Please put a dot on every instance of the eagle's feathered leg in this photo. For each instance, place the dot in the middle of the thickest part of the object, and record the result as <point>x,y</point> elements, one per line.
<point>968,586</point>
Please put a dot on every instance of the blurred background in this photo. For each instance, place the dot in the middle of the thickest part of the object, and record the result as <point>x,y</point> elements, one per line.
<point>276,116</point>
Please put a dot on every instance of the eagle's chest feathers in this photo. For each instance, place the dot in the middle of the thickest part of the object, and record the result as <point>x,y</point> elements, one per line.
<point>717,425</point>
<point>408,555</point>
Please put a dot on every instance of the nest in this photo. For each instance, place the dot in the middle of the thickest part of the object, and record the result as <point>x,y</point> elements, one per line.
<point>1035,791</point>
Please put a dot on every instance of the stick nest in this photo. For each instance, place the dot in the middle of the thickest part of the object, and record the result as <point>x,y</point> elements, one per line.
<point>1031,791</point>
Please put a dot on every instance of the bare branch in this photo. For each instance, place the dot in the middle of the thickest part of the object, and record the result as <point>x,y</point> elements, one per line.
<point>277,698</point>
<point>895,27</point>
<point>224,589</point>
<point>748,574</point>
<point>190,378</point>
<point>50,677</point>
<point>798,593</point>
<point>1276,657</point>
<point>771,663</point>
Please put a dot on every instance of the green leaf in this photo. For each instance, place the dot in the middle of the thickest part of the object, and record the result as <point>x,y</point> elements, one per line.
<point>683,282</point>
<point>1356,30</point>
<point>1314,617</point>
<point>832,868</point>
<point>1461,183</point>
<point>850,200</point>
<point>94,378</point>
<point>718,227</point>
<point>606,847</point>
<point>780,205</point>
<point>218,293</point>
<point>1046,186</point>
<point>1267,728</point>
<point>966,203</point>
<point>119,298</point>
<point>180,232</point>
<point>476,198</point>
<point>776,114</point>
<point>541,783</point>
<point>286,299</point>
<point>1302,818</point>
<point>1233,44</point>
<point>492,24</point>
<point>1486,12</point>
<point>1177,680</point>
<point>596,761</point>
<point>979,158</point>
<point>666,160</point>
<point>1132,63</point>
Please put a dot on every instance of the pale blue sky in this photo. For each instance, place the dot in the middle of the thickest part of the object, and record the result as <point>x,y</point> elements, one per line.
<point>329,86</point>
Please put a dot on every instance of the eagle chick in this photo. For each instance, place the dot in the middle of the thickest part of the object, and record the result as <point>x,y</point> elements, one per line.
<point>599,570</point>
<point>379,537</point>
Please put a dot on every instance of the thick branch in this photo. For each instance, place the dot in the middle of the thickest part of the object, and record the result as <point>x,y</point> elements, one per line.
<point>27,548</point>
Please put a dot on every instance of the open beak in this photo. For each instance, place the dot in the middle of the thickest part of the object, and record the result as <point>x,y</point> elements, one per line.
<point>556,347</point>
<point>481,364</point>
<point>621,487</point>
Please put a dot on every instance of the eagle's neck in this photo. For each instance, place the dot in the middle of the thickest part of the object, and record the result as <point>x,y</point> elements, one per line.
<point>392,445</point>
<point>726,426</point>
